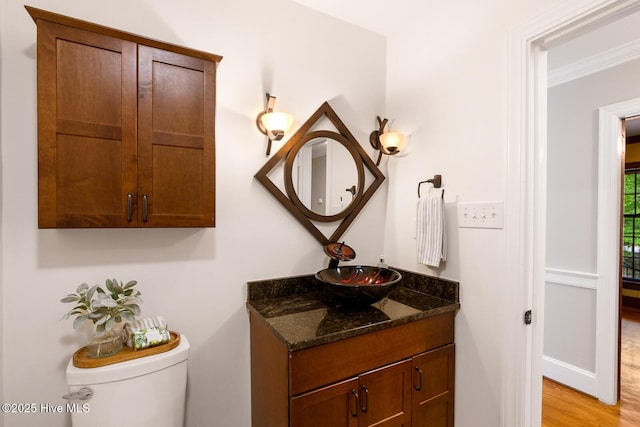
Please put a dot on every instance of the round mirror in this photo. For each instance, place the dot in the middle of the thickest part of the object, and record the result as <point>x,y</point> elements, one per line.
<point>323,177</point>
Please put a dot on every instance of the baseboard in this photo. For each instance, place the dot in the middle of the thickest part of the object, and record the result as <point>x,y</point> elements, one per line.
<point>569,375</point>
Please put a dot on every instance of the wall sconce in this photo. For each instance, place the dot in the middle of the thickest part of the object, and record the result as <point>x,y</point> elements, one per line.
<point>389,143</point>
<point>273,124</point>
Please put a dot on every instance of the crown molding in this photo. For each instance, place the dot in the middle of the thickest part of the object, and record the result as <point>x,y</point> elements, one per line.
<point>596,63</point>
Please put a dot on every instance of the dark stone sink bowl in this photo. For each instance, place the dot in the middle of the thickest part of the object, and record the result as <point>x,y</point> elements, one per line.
<point>356,286</point>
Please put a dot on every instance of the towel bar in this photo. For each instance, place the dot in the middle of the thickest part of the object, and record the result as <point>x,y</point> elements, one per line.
<point>436,181</point>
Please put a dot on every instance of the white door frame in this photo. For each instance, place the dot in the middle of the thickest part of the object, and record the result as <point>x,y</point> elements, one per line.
<point>525,204</point>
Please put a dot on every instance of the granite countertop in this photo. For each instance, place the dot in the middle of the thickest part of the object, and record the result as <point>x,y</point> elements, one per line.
<point>301,320</point>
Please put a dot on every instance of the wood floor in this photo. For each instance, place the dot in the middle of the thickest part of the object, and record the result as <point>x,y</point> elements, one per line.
<point>565,407</point>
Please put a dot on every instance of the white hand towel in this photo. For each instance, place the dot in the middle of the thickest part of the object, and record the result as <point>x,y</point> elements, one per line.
<point>431,236</point>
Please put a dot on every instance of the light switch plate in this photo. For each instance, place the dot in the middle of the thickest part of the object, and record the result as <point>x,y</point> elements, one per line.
<point>481,215</point>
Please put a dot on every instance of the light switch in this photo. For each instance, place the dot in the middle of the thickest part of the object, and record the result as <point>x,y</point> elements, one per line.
<point>481,215</point>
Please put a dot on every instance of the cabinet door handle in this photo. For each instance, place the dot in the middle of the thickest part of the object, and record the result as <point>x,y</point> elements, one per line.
<point>364,408</point>
<point>144,208</point>
<point>419,372</point>
<point>129,205</point>
<point>354,413</point>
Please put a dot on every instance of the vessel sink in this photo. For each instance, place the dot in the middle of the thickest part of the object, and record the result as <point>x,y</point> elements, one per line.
<point>356,286</point>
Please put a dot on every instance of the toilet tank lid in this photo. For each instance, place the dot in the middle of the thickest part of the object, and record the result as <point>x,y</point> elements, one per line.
<point>129,369</point>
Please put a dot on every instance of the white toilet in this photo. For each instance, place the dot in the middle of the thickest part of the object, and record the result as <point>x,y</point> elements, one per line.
<point>146,392</point>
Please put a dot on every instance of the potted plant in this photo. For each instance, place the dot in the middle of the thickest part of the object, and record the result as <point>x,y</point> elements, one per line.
<point>105,308</point>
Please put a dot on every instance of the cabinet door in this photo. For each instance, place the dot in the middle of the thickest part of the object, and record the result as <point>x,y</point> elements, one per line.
<point>333,406</point>
<point>433,385</point>
<point>385,396</point>
<point>86,128</point>
<point>176,165</point>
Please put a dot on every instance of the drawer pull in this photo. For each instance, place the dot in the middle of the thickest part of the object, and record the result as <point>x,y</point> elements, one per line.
<point>365,392</point>
<point>354,413</point>
<point>144,208</point>
<point>129,205</point>
<point>419,386</point>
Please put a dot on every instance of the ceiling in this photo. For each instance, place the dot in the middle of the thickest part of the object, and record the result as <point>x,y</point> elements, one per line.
<point>388,17</point>
<point>380,16</point>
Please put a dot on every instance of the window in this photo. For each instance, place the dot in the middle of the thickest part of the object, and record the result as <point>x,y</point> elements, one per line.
<point>631,228</point>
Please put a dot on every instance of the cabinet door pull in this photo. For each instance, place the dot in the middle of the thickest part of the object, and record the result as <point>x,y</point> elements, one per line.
<point>354,413</point>
<point>364,408</point>
<point>144,208</point>
<point>419,372</point>
<point>129,205</point>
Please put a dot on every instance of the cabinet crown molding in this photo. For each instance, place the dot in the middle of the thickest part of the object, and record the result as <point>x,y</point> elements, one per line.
<point>44,15</point>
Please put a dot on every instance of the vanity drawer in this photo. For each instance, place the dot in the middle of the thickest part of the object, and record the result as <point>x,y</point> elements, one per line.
<point>318,366</point>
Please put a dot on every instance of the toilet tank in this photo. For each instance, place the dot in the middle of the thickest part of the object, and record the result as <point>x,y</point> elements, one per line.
<point>146,392</point>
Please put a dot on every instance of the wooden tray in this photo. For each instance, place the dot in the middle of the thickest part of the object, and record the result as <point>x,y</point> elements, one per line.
<point>82,360</point>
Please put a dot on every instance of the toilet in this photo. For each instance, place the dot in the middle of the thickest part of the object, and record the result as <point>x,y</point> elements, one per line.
<point>146,392</point>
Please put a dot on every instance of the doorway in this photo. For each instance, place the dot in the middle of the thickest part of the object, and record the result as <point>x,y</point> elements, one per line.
<point>584,172</point>
<point>526,207</point>
<point>572,319</point>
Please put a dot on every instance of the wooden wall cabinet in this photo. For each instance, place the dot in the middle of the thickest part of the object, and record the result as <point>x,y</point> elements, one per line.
<point>400,376</point>
<point>125,128</point>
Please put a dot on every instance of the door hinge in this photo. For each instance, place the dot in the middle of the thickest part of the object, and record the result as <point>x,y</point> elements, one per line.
<point>527,317</point>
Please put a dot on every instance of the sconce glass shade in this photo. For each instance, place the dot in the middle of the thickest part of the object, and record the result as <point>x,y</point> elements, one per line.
<point>392,142</point>
<point>276,124</point>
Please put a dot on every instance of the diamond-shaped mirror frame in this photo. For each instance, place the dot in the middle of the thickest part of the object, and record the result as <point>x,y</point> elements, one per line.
<point>360,157</point>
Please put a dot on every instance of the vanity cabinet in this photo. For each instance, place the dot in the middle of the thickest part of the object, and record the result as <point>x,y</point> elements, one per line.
<point>432,394</point>
<point>125,128</point>
<point>398,376</point>
<point>380,395</point>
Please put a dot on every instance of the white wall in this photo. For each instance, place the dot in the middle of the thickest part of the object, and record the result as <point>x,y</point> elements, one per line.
<point>572,197</point>
<point>194,277</point>
<point>573,163</point>
<point>448,89</point>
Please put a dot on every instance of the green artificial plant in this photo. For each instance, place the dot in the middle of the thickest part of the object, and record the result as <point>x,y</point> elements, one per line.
<point>118,303</point>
